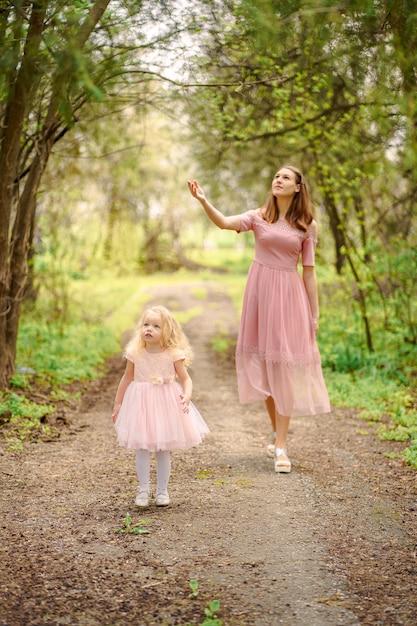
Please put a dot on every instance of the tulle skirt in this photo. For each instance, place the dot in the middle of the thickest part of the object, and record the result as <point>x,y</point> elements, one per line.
<point>151,418</point>
<point>277,353</point>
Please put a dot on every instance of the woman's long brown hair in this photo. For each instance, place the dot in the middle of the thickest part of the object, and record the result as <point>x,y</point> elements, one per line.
<point>300,213</point>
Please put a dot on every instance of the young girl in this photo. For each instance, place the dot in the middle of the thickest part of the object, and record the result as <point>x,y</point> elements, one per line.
<point>152,412</point>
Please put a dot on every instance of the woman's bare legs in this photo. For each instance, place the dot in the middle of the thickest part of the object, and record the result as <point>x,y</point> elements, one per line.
<point>280,424</point>
<point>270,407</point>
<point>282,462</point>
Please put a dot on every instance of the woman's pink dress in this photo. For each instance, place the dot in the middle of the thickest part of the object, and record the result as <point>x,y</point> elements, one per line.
<point>277,353</point>
<point>151,416</point>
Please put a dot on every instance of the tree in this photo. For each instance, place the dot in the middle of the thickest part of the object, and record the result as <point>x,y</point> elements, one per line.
<point>57,60</point>
<point>296,79</point>
<point>327,85</point>
<point>38,71</point>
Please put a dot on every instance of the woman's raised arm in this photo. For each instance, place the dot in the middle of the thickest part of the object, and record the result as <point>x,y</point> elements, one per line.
<point>229,222</point>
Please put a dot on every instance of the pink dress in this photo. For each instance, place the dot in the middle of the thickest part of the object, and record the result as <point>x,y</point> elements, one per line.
<point>151,416</point>
<point>276,352</point>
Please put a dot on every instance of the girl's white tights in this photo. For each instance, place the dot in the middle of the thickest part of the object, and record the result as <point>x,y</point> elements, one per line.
<point>163,470</point>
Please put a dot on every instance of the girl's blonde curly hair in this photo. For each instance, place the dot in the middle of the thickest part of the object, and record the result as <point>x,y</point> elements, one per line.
<point>173,337</point>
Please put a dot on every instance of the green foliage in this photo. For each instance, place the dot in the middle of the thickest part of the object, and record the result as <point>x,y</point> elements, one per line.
<point>64,355</point>
<point>223,345</point>
<point>210,613</point>
<point>318,87</point>
<point>222,256</point>
<point>78,64</point>
<point>220,344</point>
<point>394,268</point>
<point>194,588</point>
<point>52,357</point>
<point>379,399</point>
<point>57,353</point>
<point>381,384</point>
<point>129,528</point>
<point>410,453</point>
<point>210,610</point>
<point>24,419</point>
<point>20,407</point>
<point>332,90</point>
<point>19,381</point>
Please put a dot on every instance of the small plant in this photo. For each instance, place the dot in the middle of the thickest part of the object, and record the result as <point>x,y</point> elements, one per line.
<point>211,609</point>
<point>194,588</point>
<point>210,612</point>
<point>134,529</point>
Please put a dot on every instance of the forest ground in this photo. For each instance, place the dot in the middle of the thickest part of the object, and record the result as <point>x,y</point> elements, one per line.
<point>332,543</point>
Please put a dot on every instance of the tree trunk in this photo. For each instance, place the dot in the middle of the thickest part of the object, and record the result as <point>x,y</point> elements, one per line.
<point>16,109</point>
<point>31,292</point>
<point>337,231</point>
<point>362,304</point>
<point>14,248</point>
<point>19,246</point>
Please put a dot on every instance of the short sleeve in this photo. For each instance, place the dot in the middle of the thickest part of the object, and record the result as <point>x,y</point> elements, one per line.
<point>246,220</point>
<point>308,247</point>
<point>178,355</point>
<point>308,252</point>
<point>129,357</point>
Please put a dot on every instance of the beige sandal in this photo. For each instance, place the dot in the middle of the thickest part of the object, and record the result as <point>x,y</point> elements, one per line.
<point>282,465</point>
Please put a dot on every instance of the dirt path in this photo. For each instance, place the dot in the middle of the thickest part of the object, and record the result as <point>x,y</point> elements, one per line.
<point>332,543</point>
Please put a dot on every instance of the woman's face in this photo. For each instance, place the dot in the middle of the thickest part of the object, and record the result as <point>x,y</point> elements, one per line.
<point>284,184</point>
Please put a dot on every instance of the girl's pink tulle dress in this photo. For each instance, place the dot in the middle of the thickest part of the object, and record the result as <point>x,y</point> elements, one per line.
<point>151,416</point>
<point>276,352</point>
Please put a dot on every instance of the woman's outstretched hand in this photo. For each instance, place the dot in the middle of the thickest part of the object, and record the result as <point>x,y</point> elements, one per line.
<point>196,190</point>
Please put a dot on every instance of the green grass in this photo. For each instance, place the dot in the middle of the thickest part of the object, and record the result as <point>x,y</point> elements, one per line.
<point>103,305</point>
<point>381,383</point>
<point>51,354</point>
<point>24,419</point>
<point>377,399</point>
<point>62,356</point>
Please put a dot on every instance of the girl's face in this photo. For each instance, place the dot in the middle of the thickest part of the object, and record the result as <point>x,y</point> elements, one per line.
<point>151,332</point>
<point>284,183</point>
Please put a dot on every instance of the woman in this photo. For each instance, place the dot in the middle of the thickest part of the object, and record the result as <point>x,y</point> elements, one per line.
<point>277,358</point>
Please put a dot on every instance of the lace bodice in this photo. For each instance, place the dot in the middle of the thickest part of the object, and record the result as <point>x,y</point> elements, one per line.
<point>279,245</point>
<point>156,368</point>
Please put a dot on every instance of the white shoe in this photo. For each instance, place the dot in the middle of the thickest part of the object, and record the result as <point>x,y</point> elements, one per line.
<point>281,461</point>
<point>162,499</point>
<point>270,448</point>
<point>142,499</point>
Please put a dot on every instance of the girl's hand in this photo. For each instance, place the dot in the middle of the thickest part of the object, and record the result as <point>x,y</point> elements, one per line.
<point>115,414</point>
<point>196,190</point>
<point>185,401</point>
<point>316,326</point>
